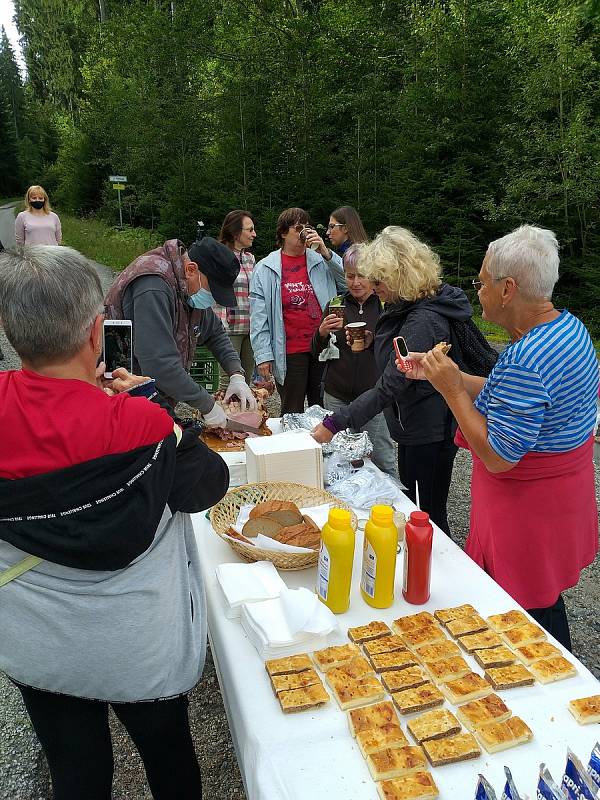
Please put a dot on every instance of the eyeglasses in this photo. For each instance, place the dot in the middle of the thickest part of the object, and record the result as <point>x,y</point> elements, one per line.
<point>333,225</point>
<point>298,227</point>
<point>249,230</point>
<point>477,284</point>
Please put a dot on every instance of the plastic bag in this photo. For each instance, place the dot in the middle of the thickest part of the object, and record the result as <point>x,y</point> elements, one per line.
<point>368,486</point>
<point>576,781</point>
<point>483,790</point>
<point>594,765</point>
<point>331,351</point>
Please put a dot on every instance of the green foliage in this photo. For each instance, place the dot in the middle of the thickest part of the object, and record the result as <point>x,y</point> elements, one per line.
<point>111,246</point>
<point>459,119</point>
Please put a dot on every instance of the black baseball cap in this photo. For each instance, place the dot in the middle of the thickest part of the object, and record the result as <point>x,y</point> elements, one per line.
<point>220,266</point>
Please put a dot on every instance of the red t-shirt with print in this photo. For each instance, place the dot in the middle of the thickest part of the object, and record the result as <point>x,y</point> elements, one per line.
<point>301,309</point>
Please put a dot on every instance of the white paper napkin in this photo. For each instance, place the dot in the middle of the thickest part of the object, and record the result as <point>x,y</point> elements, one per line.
<point>292,617</point>
<point>248,583</point>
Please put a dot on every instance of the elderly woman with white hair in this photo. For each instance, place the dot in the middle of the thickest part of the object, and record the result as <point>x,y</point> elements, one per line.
<point>534,520</point>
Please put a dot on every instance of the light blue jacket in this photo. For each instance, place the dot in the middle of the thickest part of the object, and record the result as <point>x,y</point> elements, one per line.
<point>267,333</point>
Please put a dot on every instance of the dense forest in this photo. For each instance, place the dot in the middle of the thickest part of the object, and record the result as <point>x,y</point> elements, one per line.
<point>457,118</point>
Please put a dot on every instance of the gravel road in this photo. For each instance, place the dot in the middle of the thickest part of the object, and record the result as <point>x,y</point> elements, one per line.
<point>23,771</point>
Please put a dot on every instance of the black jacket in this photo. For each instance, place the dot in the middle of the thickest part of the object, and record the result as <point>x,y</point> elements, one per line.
<point>415,413</point>
<point>351,374</point>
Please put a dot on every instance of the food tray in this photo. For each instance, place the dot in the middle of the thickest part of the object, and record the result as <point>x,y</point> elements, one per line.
<point>226,511</point>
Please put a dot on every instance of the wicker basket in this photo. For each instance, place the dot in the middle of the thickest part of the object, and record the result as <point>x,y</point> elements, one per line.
<point>225,513</point>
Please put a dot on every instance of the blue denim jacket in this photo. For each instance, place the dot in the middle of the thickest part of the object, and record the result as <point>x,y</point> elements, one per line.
<point>267,332</point>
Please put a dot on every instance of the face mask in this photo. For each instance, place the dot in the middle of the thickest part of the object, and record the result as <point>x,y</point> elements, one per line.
<point>201,299</point>
<point>38,203</point>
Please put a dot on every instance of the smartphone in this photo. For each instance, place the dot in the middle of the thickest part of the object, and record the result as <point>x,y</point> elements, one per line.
<point>117,345</point>
<point>402,353</point>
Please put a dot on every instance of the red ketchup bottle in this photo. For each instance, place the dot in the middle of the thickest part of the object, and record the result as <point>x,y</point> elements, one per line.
<point>417,558</point>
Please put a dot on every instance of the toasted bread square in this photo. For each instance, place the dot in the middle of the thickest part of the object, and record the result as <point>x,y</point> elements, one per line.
<point>426,634</point>
<point>444,615</point>
<point>448,669</point>
<point>533,652</point>
<point>281,666</point>
<point>555,668</point>
<point>509,677</point>
<point>294,680</point>
<point>437,651</point>
<point>586,709</point>
<point>433,725</point>
<point>508,620</point>
<point>363,633</point>
<point>353,669</point>
<point>388,764</point>
<point>502,735</point>
<point>302,699</point>
<point>378,739</point>
<point>397,680</point>
<point>358,692</point>
<point>500,656</point>
<point>408,701</point>
<point>416,786</point>
<point>478,713</point>
<point>331,657</point>
<point>407,623</point>
<point>465,625</point>
<point>367,718</point>
<point>397,659</point>
<point>385,644</point>
<point>451,749</point>
<point>523,634</point>
<point>469,687</point>
<point>480,641</point>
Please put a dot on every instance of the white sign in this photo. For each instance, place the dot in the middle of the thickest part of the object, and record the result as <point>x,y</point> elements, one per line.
<point>117,178</point>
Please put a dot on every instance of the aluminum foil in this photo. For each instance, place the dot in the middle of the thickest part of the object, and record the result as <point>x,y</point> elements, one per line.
<point>351,446</point>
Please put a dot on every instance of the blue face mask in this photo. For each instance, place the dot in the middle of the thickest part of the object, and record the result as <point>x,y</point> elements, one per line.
<point>201,299</point>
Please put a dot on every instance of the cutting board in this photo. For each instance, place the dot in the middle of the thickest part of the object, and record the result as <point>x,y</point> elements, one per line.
<point>219,446</point>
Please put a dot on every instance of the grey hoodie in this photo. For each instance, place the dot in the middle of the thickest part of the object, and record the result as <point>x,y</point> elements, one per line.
<point>415,413</point>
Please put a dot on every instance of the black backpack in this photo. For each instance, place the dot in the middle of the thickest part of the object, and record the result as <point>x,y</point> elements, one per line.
<point>470,349</point>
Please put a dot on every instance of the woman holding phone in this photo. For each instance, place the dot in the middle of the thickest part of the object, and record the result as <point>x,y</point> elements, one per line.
<point>406,276</point>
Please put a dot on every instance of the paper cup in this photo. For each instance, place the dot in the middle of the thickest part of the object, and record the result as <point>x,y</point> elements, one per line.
<point>356,331</point>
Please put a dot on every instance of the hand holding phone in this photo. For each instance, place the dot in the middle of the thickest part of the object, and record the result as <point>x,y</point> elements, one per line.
<point>402,354</point>
<point>117,345</point>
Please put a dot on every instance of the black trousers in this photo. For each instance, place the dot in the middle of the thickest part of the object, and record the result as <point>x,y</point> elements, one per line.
<point>554,620</point>
<point>431,466</point>
<point>75,737</point>
<point>302,380</point>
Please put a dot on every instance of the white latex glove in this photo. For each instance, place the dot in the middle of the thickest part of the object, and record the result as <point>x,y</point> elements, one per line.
<point>239,387</point>
<point>215,418</point>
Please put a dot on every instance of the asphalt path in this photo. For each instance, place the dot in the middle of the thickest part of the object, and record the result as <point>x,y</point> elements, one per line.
<point>7,224</point>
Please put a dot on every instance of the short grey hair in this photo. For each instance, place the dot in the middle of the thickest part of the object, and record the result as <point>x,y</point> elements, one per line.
<point>530,256</point>
<point>49,298</point>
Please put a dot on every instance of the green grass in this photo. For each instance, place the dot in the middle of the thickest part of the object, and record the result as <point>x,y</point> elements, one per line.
<point>110,246</point>
<point>492,331</point>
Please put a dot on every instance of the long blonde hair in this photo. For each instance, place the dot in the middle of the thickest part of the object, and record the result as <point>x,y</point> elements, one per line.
<point>37,190</point>
<point>408,267</point>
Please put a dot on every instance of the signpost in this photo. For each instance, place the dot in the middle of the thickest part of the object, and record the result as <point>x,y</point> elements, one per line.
<point>118,182</point>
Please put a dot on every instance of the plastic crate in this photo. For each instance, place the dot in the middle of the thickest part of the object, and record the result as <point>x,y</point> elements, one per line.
<point>205,369</point>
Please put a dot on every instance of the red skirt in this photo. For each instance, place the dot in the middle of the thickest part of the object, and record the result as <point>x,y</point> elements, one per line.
<point>534,528</point>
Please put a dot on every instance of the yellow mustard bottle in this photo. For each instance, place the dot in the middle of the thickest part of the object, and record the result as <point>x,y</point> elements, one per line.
<point>379,558</point>
<point>336,556</point>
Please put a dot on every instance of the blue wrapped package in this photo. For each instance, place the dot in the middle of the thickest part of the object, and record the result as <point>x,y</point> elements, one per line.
<point>594,765</point>
<point>576,782</point>
<point>546,788</point>
<point>483,790</point>
<point>510,791</point>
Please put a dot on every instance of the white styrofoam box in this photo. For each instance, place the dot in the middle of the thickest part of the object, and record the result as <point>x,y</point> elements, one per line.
<point>290,457</point>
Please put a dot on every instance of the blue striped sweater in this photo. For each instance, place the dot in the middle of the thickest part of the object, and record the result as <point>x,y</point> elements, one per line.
<point>541,395</point>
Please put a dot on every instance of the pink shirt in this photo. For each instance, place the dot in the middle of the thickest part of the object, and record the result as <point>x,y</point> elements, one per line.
<point>37,228</point>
